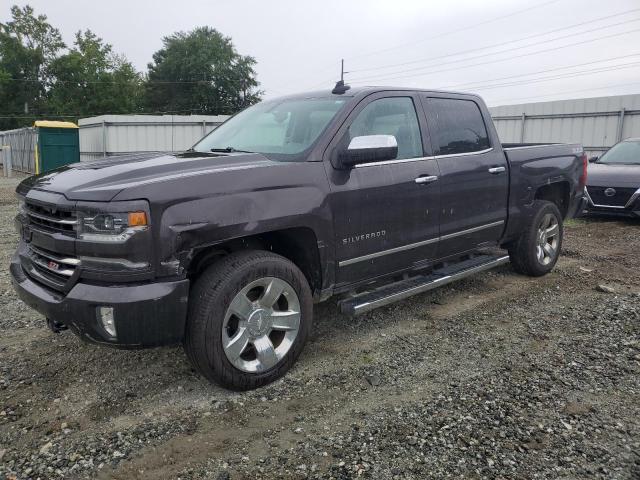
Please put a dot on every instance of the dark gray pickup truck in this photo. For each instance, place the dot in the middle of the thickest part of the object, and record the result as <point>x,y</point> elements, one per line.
<point>372,194</point>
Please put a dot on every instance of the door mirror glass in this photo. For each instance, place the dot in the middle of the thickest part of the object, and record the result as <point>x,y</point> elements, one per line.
<point>369,148</point>
<point>593,159</point>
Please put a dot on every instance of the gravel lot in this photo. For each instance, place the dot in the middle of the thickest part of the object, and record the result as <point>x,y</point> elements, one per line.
<point>498,376</point>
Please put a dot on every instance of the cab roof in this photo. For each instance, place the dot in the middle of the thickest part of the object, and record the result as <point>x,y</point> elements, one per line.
<point>366,90</point>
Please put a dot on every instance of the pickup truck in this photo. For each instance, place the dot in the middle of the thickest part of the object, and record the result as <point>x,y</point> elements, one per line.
<point>368,194</point>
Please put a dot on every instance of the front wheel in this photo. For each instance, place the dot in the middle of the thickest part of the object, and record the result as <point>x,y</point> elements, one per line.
<point>536,251</point>
<point>249,316</point>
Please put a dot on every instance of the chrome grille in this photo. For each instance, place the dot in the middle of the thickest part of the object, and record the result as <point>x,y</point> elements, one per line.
<point>619,198</point>
<point>55,267</point>
<point>51,218</point>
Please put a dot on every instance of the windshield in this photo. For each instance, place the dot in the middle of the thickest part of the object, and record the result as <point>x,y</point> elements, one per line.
<point>279,128</point>
<point>624,152</point>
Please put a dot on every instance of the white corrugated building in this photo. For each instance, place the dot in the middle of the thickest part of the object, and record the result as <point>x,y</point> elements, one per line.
<point>109,135</point>
<point>596,123</point>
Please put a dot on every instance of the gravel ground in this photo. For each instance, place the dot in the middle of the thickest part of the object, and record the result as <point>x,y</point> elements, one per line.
<point>497,376</point>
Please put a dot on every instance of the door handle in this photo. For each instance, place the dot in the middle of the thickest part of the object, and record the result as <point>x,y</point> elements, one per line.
<point>426,179</point>
<point>496,170</point>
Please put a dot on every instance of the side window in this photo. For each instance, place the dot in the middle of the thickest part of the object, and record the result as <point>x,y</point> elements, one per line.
<point>391,116</point>
<point>459,127</point>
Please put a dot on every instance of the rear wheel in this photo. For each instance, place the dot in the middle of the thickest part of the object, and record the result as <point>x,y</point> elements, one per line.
<point>537,250</point>
<point>249,317</point>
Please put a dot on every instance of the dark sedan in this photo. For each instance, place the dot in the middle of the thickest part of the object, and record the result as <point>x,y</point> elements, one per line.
<point>613,185</point>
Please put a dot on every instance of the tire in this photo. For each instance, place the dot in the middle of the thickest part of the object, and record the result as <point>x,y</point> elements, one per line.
<point>525,252</point>
<point>232,337</point>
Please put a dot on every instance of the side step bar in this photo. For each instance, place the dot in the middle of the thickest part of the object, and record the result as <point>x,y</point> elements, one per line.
<point>367,301</point>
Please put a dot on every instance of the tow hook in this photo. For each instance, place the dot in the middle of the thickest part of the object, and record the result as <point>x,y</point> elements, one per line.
<point>55,326</point>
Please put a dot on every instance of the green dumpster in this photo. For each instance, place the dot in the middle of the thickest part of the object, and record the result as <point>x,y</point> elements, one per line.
<point>57,145</point>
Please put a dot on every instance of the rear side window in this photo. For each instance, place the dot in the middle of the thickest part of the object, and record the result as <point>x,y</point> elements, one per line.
<point>459,127</point>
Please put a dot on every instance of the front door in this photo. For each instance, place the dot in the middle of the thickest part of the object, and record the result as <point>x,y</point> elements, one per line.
<point>474,177</point>
<point>384,220</point>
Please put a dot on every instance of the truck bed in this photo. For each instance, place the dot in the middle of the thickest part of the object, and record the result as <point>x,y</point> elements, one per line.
<point>525,152</point>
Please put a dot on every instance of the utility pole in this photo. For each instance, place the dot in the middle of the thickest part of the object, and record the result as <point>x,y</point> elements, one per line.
<point>342,70</point>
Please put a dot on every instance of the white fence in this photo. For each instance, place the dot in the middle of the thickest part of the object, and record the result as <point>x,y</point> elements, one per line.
<point>22,144</point>
<point>110,135</point>
<point>596,123</point>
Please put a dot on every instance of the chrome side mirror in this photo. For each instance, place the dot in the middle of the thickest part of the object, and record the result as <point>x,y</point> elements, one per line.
<point>369,148</point>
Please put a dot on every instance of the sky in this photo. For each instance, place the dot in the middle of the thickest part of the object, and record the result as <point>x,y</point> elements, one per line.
<point>509,52</point>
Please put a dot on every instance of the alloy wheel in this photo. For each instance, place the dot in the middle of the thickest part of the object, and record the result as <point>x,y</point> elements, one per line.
<point>548,239</point>
<point>261,325</point>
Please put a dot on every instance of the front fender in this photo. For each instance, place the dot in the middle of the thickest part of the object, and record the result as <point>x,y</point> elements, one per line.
<point>204,221</point>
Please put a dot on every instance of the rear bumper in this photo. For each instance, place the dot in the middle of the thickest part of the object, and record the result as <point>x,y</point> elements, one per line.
<point>577,207</point>
<point>146,315</point>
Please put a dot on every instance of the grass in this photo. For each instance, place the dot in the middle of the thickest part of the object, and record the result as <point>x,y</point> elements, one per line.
<point>574,222</point>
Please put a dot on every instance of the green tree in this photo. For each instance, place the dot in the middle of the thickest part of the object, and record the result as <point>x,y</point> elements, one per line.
<point>91,79</point>
<point>201,72</point>
<point>28,45</point>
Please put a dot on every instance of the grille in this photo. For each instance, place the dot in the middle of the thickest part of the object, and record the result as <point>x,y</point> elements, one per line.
<point>52,219</point>
<point>620,198</point>
<point>54,267</point>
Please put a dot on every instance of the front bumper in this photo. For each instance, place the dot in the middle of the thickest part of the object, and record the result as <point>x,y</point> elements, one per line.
<point>146,315</point>
<point>613,212</point>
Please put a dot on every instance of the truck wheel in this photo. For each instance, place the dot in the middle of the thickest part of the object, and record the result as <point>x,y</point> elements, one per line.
<point>249,317</point>
<point>537,250</point>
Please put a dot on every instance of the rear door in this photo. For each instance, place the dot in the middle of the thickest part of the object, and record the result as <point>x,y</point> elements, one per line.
<point>384,220</point>
<point>474,177</point>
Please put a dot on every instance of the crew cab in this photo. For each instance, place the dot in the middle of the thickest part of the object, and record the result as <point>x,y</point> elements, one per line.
<point>369,194</point>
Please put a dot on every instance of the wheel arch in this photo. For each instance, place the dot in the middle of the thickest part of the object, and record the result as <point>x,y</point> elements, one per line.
<point>557,193</point>
<point>297,244</point>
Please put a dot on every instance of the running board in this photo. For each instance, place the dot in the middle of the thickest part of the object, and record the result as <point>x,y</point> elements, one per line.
<point>394,292</point>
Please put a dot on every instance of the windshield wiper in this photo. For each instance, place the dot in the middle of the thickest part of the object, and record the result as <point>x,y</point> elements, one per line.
<point>229,150</point>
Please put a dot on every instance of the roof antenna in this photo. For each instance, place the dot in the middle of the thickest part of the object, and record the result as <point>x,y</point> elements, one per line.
<point>340,87</point>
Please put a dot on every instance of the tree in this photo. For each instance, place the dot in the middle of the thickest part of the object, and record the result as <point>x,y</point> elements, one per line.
<point>201,72</point>
<point>195,72</point>
<point>90,79</point>
<point>28,45</point>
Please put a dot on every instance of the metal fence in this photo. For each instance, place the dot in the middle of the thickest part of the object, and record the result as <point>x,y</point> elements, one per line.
<point>596,123</point>
<point>110,135</point>
<point>22,142</point>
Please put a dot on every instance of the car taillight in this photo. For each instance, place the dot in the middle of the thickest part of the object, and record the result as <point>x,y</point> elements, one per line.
<point>583,177</point>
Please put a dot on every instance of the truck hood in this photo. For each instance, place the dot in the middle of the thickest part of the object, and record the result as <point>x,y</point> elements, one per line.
<point>102,180</point>
<point>612,175</point>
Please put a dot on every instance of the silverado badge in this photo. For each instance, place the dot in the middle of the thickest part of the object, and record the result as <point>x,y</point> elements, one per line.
<point>363,236</point>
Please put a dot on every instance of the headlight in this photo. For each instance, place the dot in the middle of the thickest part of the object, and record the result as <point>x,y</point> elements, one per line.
<point>111,227</point>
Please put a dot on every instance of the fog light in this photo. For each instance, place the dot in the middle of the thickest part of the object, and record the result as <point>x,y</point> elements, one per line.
<point>105,314</point>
